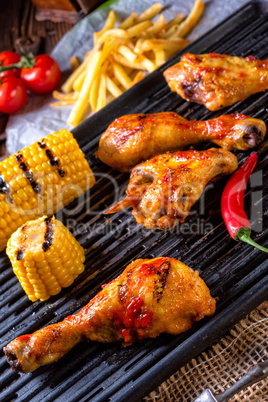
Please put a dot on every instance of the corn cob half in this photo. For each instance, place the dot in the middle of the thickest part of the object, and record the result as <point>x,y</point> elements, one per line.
<point>40,180</point>
<point>45,257</point>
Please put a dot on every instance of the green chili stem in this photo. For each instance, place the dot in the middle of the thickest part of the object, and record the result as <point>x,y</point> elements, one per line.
<point>243,234</point>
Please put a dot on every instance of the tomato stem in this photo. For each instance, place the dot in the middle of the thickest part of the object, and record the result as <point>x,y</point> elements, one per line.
<point>243,234</point>
<point>26,61</point>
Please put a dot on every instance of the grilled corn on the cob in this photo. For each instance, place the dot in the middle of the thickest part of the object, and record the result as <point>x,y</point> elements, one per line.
<point>45,257</point>
<point>40,180</point>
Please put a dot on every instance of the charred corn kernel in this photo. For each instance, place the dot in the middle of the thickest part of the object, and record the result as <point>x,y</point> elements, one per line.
<point>40,180</point>
<point>45,257</point>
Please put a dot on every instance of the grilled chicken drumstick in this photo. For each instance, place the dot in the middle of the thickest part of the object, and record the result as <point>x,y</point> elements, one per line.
<point>217,80</point>
<point>150,297</point>
<point>163,189</point>
<point>132,139</point>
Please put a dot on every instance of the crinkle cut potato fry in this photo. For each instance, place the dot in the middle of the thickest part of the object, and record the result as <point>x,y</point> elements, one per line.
<point>40,180</point>
<point>122,55</point>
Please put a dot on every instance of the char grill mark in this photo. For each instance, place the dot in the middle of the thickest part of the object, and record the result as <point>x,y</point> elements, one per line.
<point>28,173</point>
<point>14,362</point>
<point>123,287</point>
<point>20,251</point>
<point>4,188</point>
<point>161,281</point>
<point>48,239</point>
<point>142,116</point>
<point>54,161</point>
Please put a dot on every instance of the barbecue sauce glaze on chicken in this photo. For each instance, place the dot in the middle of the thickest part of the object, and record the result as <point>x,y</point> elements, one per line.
<point>150,297</point>
<point>217,80</point>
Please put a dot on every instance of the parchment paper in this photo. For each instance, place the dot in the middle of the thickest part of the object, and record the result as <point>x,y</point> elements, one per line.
<point>38,119</point>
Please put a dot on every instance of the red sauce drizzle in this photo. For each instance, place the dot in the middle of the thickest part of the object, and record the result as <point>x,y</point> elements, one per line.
<point>150,268</point>
<point>216,55</point>
<point>132,318</point>
<point>250,58</point>
<point>221,126</point>
<point>215,70</point>
<point>191,58</point>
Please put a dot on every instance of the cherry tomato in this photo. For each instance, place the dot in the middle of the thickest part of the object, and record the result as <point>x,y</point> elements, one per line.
<point>13,94</point>
<point>43,77</point>
<point>7,58</point>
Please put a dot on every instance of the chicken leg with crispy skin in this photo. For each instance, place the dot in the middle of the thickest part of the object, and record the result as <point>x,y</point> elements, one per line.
<point>217,80</point>
<point>163,189</point>
<point>150,297</point>
<point>132,139</point>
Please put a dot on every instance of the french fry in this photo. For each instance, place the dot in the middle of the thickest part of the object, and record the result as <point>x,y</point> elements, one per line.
<point>165,44</point>
<point>77,85</point>
<point>158,25</point>
<point>122,56</point>
<point>136,30</point>
<point>138,77</point>
<point>68,85</point>
<point>65,97</point>
<point>131,44</point>
<point>138,46</point>
<point>175,21</point>
<point>121,76</point>
<point>93,96</point>
<point>96,92</point>
<point>147,64</point>
<point>112,87</point>
<point>170,32</point>
<point>127,63</point>
<point>63,103</point>
<point>93,67</point>
<point>82,100</point>
<point>128,22</point>
<point>74,63</point>
<point>160,56</point>
<point>112,33</point>
<point>189,23</point>
<point>101,102</point>
<point>127,53</point>
<point>109,24</point>
<point>150,13</point>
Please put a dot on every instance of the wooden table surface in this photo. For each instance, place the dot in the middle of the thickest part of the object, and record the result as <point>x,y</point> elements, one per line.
<point>17,19</point>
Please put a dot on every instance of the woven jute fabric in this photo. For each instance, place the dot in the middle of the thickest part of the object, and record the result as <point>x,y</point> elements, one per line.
<point>222,364</point>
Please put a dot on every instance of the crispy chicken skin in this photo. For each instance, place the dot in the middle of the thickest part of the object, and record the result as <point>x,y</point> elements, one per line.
<point>150,297</point>
<point>217,80</point>
<point>163,189</point>
<point>132,139</point>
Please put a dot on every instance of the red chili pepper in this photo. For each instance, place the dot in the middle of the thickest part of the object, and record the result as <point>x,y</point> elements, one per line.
<point>232,203</point>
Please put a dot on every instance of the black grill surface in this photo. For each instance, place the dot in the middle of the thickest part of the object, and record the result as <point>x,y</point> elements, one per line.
<point>236,273</point>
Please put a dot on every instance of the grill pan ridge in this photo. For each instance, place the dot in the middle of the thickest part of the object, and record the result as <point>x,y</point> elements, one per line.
<point>236,273</point>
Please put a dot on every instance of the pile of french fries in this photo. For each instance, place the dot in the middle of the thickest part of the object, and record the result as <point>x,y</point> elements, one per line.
<point>122,56</point>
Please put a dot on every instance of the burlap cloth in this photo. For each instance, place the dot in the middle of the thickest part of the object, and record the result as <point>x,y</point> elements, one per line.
<point>222,364</point>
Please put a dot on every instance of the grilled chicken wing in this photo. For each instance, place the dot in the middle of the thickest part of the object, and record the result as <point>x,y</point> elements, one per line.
<point>132,139</point>
<point>217,80</point>
<point>150,297</point>
<point>163,189</point>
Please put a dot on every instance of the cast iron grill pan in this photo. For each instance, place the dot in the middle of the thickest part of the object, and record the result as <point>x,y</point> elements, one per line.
<point>236,273</point>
